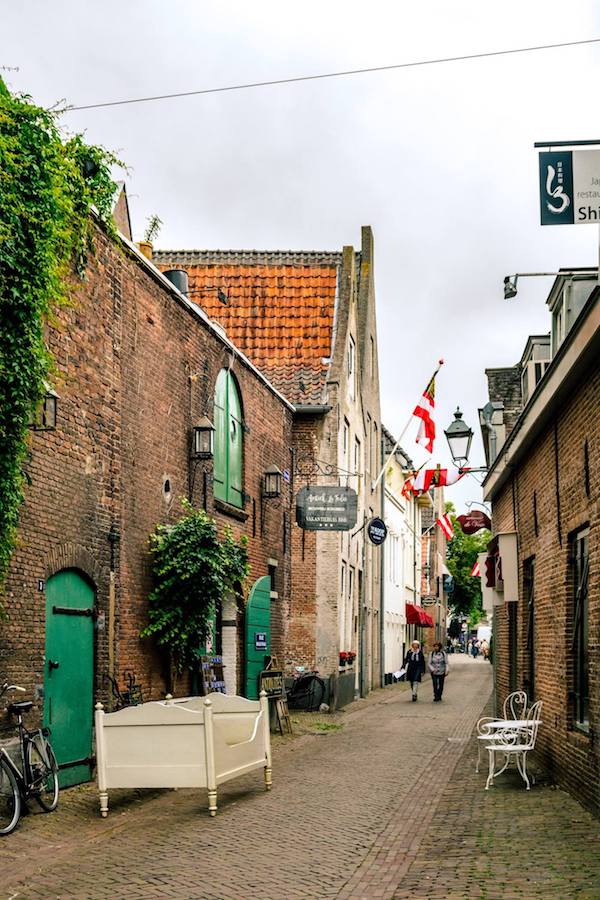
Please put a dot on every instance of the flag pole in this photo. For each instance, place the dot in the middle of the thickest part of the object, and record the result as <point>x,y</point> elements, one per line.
<point>404,430</point>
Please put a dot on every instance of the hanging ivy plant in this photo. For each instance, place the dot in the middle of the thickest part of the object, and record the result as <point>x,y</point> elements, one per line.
<point>193,570</point>
<point>48,188</point>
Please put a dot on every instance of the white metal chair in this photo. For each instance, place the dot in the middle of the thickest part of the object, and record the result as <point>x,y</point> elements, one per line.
<point>514,707</point>
<point>514,741</point>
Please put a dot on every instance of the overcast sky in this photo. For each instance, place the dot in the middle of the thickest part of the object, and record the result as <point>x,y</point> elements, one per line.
<point>439,160</point>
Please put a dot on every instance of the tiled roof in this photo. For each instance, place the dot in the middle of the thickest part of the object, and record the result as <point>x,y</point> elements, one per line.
<point>280,309</point>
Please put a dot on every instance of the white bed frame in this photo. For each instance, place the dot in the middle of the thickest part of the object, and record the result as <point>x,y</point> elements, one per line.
<point>194,742</point>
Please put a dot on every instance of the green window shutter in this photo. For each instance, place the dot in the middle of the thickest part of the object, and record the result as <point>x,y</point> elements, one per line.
<point>235,448</point>
<point>221,437</point>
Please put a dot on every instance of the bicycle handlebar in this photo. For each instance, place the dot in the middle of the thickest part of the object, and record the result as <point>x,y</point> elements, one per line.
<point>11,687</point>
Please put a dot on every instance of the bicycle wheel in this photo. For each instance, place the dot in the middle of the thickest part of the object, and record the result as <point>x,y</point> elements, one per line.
<point>43,767</point>
<point>316,693</point>
<point>10,800</point>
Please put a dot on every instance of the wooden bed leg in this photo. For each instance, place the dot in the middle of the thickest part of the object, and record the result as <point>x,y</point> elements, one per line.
<point>212,803</point>
<point>268,778</point>
<point>104,804</point>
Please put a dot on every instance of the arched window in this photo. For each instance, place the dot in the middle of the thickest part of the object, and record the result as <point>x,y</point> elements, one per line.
<point>227,473</point>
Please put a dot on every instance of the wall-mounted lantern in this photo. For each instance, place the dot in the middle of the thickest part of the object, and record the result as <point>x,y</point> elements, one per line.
<point>203,439</point>
<point>44,418</point>
<point>272,482</point>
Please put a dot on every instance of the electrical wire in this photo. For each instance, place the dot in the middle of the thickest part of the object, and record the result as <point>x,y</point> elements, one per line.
<point>341,74</point>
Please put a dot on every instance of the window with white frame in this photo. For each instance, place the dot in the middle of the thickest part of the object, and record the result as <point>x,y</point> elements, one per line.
<point>350,610</point>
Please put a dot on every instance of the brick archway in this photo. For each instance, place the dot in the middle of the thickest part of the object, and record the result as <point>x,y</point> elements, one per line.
<point>73,556</point>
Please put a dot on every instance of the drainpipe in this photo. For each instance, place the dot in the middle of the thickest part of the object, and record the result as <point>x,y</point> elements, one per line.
<point>361,613</point>
<point>382,583</point>
<point>113,539</point>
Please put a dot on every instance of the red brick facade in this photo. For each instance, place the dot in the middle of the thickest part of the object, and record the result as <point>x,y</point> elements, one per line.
<point>136,365</point>
<point>552,492</point>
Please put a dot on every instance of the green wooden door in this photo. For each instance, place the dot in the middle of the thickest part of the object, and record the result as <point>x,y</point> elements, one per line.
<point>258,633</point>
<point>69,673</point>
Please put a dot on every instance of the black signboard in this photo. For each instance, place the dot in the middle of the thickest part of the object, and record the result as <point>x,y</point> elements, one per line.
<point>271,681</point>
<point>377,531</point>
<point>326,508</point>
<point>556,188</point>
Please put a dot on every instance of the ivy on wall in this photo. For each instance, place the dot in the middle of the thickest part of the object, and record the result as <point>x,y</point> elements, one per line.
<point>193,570</point>
<point>48,188</point>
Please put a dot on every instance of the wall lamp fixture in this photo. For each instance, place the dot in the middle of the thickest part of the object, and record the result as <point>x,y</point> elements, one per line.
<point>202,450</point>
<point>203,433</point>
<point>510,281</point>
<point>44,418</point>
<point>272,483</point>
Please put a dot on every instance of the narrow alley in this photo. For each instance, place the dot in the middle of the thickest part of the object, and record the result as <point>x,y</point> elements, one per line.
<point>382,803</point>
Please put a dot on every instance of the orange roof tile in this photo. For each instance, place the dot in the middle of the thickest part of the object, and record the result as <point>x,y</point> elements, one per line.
<point>280,309</point>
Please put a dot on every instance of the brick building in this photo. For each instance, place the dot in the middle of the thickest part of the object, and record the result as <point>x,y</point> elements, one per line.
<point>542,438</point>
<point>307,320</point>
<point>137,364</point>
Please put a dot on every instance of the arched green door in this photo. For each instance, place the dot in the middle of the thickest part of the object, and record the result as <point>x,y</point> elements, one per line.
<point>258,633</point>
<point>69,673</point>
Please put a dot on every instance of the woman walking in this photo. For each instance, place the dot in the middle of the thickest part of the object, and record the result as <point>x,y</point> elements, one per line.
<point>438,666</point>
<point>415,667</point>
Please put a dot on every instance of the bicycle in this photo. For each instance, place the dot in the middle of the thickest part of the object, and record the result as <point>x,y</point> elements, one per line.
<point>307,692</point>
<point>38,777</point>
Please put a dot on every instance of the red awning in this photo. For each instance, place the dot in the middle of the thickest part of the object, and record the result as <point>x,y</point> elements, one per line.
<point>416,615</point>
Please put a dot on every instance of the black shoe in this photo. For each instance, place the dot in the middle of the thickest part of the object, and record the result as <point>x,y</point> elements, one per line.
<point>414,699</point>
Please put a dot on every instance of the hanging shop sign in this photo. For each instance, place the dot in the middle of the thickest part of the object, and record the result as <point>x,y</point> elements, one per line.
<point>570,187</point>
<point>326,508</point>
<point>377,531</point>
<point>474,521</point>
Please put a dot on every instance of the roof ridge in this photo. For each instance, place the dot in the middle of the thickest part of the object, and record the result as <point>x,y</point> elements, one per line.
<point>250,257</point>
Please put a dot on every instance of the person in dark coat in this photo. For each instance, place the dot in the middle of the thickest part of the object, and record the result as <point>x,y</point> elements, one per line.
<point>414,664</point>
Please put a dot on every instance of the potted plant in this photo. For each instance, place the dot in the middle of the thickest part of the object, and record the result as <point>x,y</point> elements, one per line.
<point>350,657</point>
<point>343,658</point>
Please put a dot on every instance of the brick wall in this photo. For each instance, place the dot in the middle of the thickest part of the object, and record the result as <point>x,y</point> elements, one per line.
<point>545,514</point>
<point>135,367</point>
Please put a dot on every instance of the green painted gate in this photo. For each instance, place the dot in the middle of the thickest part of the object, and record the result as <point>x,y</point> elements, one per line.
<point>69,673</point>
<point>258,624</point>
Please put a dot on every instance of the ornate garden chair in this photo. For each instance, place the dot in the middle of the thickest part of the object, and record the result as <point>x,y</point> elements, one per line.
<point>514,707</point>
<point>514,742</point>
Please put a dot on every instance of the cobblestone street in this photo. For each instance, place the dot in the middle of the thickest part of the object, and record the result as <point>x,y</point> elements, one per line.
<point>383,803</point>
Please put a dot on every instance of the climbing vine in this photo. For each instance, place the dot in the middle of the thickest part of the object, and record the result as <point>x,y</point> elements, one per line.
<point>193,570</point>
<point>48,187</point>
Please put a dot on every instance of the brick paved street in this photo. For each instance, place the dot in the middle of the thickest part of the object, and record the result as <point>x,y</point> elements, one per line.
<point>383,805</point>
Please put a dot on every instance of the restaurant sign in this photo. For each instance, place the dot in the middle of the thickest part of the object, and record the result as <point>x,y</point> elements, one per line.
<point>474,521</point>
<point>326,508</point>
<point>377,531</point>
<point>570,187</point>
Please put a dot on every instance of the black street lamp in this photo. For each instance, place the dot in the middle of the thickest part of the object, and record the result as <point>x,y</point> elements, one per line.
<point>459,437</point>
